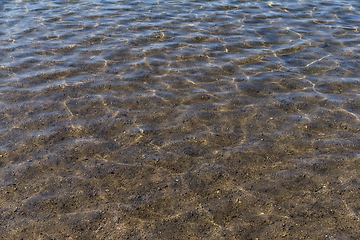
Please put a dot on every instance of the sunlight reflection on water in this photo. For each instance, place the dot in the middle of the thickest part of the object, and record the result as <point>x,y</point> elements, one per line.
<point>179,119</point>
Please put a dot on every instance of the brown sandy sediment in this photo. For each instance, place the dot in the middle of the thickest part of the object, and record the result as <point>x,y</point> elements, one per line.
<point>203,176</point>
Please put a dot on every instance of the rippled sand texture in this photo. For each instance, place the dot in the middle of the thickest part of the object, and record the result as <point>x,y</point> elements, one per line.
<point>179,119</point>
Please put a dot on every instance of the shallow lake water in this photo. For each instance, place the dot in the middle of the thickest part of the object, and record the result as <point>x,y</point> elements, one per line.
<point>180,119</point>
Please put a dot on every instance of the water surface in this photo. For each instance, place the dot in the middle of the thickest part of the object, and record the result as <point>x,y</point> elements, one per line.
<point>179,119</point>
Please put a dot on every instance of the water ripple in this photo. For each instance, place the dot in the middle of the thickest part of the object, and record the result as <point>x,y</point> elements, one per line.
<point>123,119</point>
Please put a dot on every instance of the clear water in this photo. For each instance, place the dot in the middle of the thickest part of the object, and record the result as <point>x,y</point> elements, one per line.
<point>179,119</point>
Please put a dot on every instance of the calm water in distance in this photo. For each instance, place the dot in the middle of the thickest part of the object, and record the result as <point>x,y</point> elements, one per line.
<point>180,119</point>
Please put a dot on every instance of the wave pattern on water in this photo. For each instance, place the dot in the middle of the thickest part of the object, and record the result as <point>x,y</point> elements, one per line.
<point>160,119</point>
